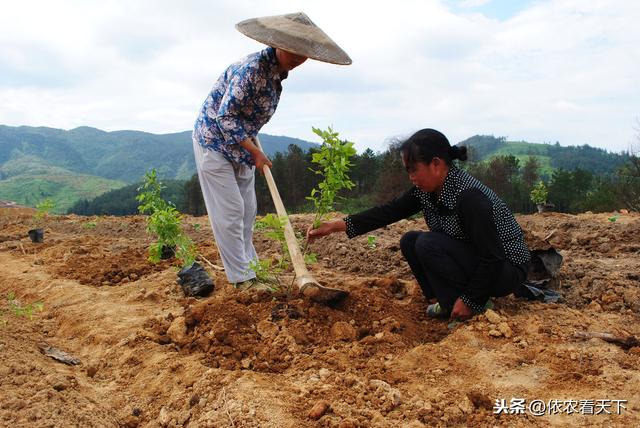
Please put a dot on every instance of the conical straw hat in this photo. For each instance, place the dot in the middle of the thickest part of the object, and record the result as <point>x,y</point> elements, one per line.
<point>294,33</point>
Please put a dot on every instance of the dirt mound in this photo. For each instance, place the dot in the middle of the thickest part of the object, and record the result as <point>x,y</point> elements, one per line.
<point>152,357</point>
<point>99,262</point>
<point>270,333</point>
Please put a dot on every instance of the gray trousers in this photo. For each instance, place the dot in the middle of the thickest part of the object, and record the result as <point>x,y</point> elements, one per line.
<point>230,197</point>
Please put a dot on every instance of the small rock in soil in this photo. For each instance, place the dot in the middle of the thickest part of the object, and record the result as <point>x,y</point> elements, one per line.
<point>479,400</point>
<point>504,328</point>
<point>58,383</point>
<point>343,331</point>
<point>318,410</point>
<point>267,329</point>
<point>92,370</point>
<point>492,316</point>
<point>178,331</point>
<point>130,422</point>
<point>195,399</point>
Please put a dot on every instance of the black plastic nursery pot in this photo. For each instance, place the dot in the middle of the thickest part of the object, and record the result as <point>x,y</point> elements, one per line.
<point>167,252</point>
<point>195,281</point>
<point>36,235</point>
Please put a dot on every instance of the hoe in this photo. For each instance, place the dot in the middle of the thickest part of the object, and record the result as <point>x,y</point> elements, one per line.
<point>309,287</point>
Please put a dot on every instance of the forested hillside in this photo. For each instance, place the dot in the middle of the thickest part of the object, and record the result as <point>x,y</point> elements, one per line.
<point>381,176</point>
<point>550,156</point>
<point>83,163</point>
<point>118,155</point>
<point>81,169</point>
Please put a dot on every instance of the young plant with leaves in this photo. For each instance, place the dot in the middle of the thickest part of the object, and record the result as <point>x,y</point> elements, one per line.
<point>334,162</point>
<point>272,227</point>
<point>268,270</point>
<point>164,221</point>
<point>42,210</point>
<point>539,193</point>
<point>21,310</point>
<point>266,273</point>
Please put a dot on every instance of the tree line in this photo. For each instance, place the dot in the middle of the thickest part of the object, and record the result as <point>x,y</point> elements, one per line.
<point>381,176</point>
<point>570,191</point>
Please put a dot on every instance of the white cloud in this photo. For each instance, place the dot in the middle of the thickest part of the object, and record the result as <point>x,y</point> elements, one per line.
<point>468,4</point>
<point>558,70</point>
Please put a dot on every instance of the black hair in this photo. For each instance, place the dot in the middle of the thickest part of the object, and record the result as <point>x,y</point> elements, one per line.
<point>427,144</point>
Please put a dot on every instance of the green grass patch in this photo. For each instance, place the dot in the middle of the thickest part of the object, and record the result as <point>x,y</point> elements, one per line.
<point>522,150</point>
<point>63,190</point>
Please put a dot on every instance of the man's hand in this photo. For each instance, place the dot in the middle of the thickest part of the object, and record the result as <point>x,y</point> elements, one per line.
<point>460,310</point>
<point>326,228</point>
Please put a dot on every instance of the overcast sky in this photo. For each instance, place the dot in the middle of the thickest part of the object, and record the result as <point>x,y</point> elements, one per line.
<point>539,71</point>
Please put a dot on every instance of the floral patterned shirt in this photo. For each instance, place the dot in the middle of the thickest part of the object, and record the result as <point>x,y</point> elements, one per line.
<point>241,102</point>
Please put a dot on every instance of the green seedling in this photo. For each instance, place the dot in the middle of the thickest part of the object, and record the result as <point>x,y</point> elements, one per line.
<point>164,221</point>
<point>371,242</point>
<point>42,210</point>
<point>25,311</point>
<point>614,218</point>
<point>310,258</point>
<point>196,226</point>
<point>272,227</point>
<point>266,273</point>
<point>333,162</point>
<point>539,194</point>
<point>89,225</point>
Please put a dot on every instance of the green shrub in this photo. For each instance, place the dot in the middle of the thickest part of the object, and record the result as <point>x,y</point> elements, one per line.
<point>539,193</point>
<point>42,210</point>
<point>164,221</point>
<point>333,162</point>
<point>20,310</point>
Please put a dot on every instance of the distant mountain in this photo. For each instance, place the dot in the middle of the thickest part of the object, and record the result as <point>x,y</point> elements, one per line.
<point>117,155</point>
<point>550,156</point>
<point>39,162</point>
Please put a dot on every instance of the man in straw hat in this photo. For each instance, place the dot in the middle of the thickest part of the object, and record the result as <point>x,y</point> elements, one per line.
<point>241,102</point>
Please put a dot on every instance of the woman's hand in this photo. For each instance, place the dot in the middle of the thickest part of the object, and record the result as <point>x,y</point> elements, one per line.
<point>326,228</point>
<point>260,160</point>
<point>460,310</point>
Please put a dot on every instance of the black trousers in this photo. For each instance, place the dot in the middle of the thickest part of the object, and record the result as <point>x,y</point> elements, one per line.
<point>443,266</point>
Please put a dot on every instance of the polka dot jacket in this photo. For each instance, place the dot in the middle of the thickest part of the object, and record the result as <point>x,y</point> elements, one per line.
<point>466,210</point>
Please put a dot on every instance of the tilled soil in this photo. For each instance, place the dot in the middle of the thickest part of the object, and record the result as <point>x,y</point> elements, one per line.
<point>152,357</point>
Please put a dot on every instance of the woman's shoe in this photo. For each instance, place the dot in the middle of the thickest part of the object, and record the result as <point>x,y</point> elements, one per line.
<point>435,310</point>
<point>488,305</point>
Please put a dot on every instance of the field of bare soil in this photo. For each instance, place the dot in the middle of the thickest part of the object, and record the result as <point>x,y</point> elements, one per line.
<point>149,356</point>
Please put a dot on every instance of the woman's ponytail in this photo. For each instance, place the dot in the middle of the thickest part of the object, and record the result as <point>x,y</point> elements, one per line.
<point>458,152</point>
